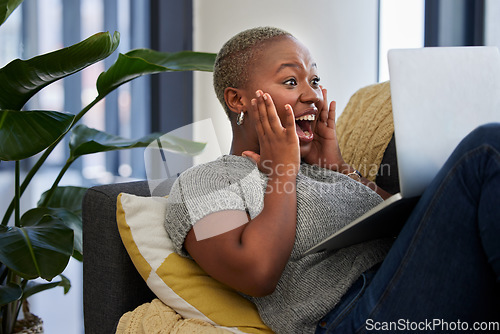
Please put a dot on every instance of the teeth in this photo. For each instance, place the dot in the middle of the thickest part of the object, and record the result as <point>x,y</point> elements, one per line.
<point>306,118</point>
<point>307,133</point>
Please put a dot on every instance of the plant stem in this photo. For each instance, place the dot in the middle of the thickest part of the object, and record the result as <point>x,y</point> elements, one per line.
<point>17,195</point>
<point>52,190</point>
<point>9,312</point>
<point>44,157</point>
<point>21,302</point>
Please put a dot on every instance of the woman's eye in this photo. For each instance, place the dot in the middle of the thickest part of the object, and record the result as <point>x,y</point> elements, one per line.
<point>315,82</point>
<point>291,82</point>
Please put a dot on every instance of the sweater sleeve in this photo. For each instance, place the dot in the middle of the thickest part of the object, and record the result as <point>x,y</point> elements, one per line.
<point>198,192</point>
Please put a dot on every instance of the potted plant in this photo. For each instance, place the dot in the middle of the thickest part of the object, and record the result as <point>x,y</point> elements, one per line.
<point>41,241</point>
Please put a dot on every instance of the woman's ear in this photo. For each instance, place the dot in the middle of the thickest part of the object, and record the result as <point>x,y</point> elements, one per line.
<point>234,99</point>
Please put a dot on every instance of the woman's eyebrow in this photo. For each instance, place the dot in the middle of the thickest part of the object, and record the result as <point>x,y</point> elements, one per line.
<point>294,65</point>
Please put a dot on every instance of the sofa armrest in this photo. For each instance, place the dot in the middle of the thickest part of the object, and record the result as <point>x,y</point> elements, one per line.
<point>388,177</point>
<point>111,284</point>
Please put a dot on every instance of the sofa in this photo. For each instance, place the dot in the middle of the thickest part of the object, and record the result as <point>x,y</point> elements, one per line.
<point>112,285</point>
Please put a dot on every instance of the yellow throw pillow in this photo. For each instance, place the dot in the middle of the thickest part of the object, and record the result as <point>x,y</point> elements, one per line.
<point>177,281</point>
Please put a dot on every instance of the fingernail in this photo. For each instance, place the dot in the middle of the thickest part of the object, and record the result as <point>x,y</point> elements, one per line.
<point>257,93</point>
<point>264,97</point>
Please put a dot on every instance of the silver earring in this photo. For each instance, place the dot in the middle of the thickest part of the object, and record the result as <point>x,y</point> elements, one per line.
<point>241,118</point>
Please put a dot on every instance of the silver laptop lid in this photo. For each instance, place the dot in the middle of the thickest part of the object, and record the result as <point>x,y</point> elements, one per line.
<point>439,95</point>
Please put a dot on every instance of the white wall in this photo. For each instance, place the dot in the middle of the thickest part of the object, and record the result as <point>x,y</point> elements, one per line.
<point>342,37</point>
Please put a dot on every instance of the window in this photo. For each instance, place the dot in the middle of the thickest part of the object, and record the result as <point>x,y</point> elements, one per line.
<point>401,25</point>
<point>491,23</point>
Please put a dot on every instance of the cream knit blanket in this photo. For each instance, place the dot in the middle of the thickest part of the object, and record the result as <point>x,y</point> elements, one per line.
<point>158,318</point>
<point>365,128</point>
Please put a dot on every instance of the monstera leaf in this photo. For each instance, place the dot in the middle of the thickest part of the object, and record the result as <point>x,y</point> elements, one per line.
<point>68,197</point>
<point>7,7</point>
<point>34,287</point>
<point>66,204</point>
<point>21,79</point>
<point>41,250</point>
<point>26,133</point>
<point>85,140</point>
<point>145,61</point>
<point>65,216</point>
<point>10,292</point>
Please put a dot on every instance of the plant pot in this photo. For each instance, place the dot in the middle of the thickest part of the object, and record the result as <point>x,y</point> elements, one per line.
<point>31,324</point>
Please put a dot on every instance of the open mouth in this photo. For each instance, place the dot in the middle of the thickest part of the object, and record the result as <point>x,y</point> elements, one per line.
<point>304,127</point>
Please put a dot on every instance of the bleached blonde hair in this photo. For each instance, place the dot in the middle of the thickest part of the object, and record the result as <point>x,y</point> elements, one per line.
<point>232,64</point>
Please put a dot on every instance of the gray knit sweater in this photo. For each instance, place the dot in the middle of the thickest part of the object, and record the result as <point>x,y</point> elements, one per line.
<point>310,286</point>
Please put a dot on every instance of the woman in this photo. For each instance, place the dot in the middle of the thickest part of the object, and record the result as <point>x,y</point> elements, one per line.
<point>248,217</point>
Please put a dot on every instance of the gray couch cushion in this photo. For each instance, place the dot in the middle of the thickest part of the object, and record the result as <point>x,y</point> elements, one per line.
<point>111,284</point>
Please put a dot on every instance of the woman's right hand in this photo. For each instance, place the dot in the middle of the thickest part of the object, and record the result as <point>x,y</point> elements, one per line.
<point>279,144</point>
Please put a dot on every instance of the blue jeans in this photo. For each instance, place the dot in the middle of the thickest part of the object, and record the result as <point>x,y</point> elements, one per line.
<point>443,272</point>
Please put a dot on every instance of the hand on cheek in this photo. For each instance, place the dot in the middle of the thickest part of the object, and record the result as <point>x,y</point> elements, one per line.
<point>325,150</point>
<point>278,142</point>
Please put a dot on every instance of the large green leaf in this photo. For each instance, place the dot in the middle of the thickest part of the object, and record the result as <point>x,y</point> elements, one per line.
<point>85,140</point>
<point>42,250</point>
<point>177,61</point>
<point>7,7</point>
<point>145,61</point>
<point>68,218</point>
<point>68,197</point>
<point>21,79</point>
<point>26,133</point>
<point>34,287</point>
<point>9,293</point>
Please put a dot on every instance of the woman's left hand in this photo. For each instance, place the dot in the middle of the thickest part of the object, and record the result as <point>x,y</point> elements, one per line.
<point>325,150</point>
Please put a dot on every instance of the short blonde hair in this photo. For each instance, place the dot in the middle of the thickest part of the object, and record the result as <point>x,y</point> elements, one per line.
<point>235,57</point>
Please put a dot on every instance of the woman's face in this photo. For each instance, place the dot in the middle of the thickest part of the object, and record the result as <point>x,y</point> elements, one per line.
<point>285,69</point>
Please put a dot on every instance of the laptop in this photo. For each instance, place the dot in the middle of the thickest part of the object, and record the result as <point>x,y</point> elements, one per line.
<point>439,95</point>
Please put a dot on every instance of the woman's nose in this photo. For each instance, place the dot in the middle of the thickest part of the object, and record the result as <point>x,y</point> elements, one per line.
<point>310,95</point>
